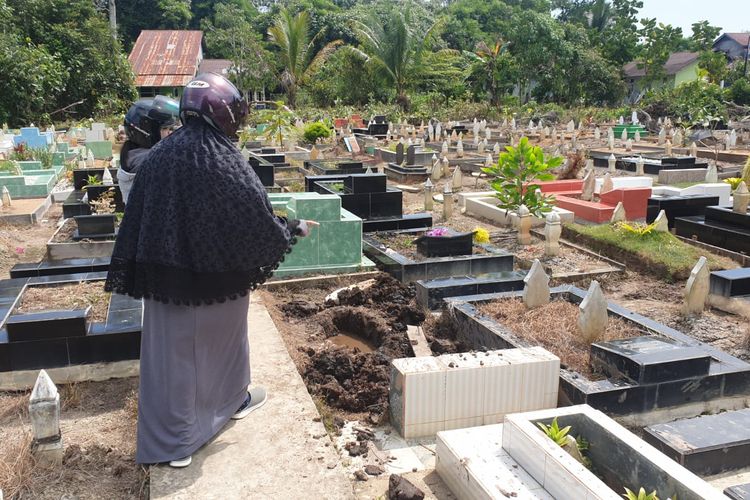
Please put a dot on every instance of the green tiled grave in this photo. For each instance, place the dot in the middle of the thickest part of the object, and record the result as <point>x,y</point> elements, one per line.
<point>102,150</point>
<point>30,165</point>
<point>29,186</point>
<point>333,247</point>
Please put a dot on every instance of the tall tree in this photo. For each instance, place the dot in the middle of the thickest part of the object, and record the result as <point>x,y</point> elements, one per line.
<point>493,69</point>
<point>659,41</point>
<point>291,35</point>
<point>704,35</point>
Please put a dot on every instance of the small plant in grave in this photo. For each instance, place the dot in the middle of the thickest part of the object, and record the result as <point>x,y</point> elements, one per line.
<point>316,130</point>
<point>481,235</point>
<point>93,180</point>
<point>575,447</point>
<point>514,175</point>
<point>734,182</point>
<point>105,204</point>
<point>278,123</point>
<point>642,495</point>
<point>637,229</point>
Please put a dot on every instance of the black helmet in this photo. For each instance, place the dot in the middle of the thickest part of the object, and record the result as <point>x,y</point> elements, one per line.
<point>216,100</point>
<point>145,119</point>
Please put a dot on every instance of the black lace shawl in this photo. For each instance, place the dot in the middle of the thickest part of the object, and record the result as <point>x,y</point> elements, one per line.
<point>198,226</point>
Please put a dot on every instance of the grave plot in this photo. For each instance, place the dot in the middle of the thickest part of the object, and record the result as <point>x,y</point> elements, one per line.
<point>265,170</point>
<point>376,127</point>
<point>89,236</point>
<point>722,227</point>
<point>419,157</point>
<point>57,321</point>
<point>87,180</point>
<point>341,166</point>
<point>527,457</point>
<point>643,367</point>
<point>24,212</point>
<point>331,248</point>
<point>368,196</point>
<point>418,255</point>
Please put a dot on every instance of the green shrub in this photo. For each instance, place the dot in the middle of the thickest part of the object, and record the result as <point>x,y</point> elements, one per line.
<point>315,131</point>
<point>739,92</point>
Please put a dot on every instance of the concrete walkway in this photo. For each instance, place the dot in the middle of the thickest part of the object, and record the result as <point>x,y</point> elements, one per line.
<point>276,452</point>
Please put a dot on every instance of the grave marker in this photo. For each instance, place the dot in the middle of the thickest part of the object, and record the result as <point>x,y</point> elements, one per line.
<point>44,413</point>
<point>524,225</point>
<point>428,201</point>
<point>661,223</point>
<point>536,286</point>
<point>618,214</point>
<point>552,231</point>
<point>593,318</point>
<point>740,198</point>
<point>447,202</point>
<point>697,287</point>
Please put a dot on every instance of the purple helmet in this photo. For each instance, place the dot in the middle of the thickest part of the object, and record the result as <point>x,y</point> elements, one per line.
<point>216,100</point>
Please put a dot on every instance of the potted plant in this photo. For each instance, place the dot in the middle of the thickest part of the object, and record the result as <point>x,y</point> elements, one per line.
<point>444,242</point>
<point>102,222</point>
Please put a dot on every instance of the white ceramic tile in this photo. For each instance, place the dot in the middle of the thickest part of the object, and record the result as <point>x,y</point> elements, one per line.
<point>503,387</point>
<point>424,398</point>
<point>464,390</point>
<point>560,483</point>
<point>422,430</point>
<point>463,423</point>
<point>528,456</point>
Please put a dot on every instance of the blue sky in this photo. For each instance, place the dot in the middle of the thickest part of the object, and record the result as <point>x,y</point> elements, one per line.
<point>731,15</point>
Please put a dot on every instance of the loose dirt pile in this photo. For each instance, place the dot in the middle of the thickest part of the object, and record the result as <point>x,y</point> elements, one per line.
<point>351,374</point>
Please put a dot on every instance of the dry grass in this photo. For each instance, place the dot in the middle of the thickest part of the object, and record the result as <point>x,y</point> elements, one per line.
<point>68,296</point>
<point>14,405</point>
<point>17,466</point>
<point>70,396</point>
<point>555,327</point>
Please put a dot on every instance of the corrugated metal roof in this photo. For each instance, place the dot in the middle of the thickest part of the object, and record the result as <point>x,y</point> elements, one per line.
<point>219,66</point>
<point>166,58</point>
<point>674,64</point>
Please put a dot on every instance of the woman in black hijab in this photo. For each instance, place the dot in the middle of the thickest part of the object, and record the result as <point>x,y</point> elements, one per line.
<point>198,234</point>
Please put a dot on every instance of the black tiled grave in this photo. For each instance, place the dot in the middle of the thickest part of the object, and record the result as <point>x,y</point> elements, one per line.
<point>705,445</point>
<point>739,492</point>
<point>430,293</point>
<point>365,183</point>
<point>73,205</point>
<point>678,206</point>
<point>263,169</point>
<point>335,167</point>
<point>407,270</point>
<point>731,282</point>
<point>646,360</point>
<point>81,176</point>
<point>727,376</point>
<point>47,325</point>
<point>49,353</point>
<point>94,192</point>
<point>714,232</point>
<point>407,221</point>
<point>90,226</point>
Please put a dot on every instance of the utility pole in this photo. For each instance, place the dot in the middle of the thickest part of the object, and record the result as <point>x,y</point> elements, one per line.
<point>747,54</point>
<point>113,18</point>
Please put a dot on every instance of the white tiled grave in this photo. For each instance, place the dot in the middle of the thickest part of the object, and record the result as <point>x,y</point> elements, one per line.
<point>720,189</point>
<point>516,459</point>
<point>626,182</point>
<point>452,391</point>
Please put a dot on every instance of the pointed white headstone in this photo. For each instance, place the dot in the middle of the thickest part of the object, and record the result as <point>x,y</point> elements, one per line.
<point>589,184</point>
<point>552,232</point>
<point>694,150</point>
<point>612,164</point>
<point>740,198</point>
<point>496,148</point>
<point>428,201</point>
<point>592,317</point>
<point>524,225</point>
<point>460,148</point>
<point>44,413</point>
<point>457,179</point>
<point>629,145</point>
<point>597,134</point>
<point>634,118</point>
<point>618,214</point>
<point>624,134</point>
<point>7,201</point>
<point>637,136</point>
<point>621,120</point>
<point>107,178</point>
<point>536,286</point>
<point>571,126</point>
<point>697,287</point>
<point>607,184</point>
<point>668,148</point>
<point>487,133</point>
<point>639,165</point>
<point>661,223</point>
<point>712,175</point>
<point>662,136</point>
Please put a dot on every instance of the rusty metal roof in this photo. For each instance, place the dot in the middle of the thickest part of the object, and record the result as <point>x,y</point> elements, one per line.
<point>166,58</point>
<point>219,66</point>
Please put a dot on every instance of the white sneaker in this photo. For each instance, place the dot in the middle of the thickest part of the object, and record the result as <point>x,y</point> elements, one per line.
<point>256,397</point>
<point>182,462</point>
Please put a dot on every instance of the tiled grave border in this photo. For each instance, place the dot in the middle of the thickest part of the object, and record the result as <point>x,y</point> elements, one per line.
<point>117,339</point>
<point>407,270</point>
<point>728,376</point>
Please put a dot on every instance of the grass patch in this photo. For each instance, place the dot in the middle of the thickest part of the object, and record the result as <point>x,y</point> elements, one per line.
<point>662,254</point>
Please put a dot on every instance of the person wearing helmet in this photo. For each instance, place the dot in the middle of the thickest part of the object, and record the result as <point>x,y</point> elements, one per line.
<point>198,234</point>
<point>146,123</point>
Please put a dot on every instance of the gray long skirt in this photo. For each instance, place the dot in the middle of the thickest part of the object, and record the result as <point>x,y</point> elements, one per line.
<point>195,369</point>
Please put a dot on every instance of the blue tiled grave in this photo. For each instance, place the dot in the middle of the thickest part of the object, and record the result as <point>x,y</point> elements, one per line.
<point>55,339</point>
<point>32,138</point>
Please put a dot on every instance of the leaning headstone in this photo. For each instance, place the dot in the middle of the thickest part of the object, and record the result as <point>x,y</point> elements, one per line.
<point>618,214</point>
<point>661,223</point>
<point>44,413</point>
<point>696,289</point>
<point>524,225</point>
<point>607,184</point>
<point>712,175</point>
<point>457,179</point>
<point>639,164</point>
<point>592,317</point>
<point>428,201</point>
<point>740,198</point>
<point>612,164</point>
<point>662,136</point>
<point>589,184</point>
<point>536,286</point>
<point>694,150</point>
<point>552,231</point>
<point>7,202</point>
<point>400,152</point>
<point>447,202</point>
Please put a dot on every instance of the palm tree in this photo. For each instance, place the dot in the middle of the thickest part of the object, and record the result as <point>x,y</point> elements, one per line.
<point>291,34</point>
<point>492,68</point>
<point>395,48</point>
<point>600,15</point>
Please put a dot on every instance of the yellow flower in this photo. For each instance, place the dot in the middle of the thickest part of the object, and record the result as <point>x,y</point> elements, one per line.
<point>481,235</point>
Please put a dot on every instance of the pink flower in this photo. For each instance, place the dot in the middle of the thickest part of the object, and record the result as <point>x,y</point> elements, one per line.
<point>20,250</point>
<point>438,231</point>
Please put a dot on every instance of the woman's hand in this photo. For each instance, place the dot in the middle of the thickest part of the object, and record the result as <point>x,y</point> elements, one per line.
<point>305,226</point>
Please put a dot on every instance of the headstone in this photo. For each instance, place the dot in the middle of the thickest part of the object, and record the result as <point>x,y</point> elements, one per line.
<point>727,142</point>
<point>574,141</point>
<point>621,120</point>
<point>668,148</point>
<point>7,202</point>
<point>712,175</point>
<point>431,132</point>
<point>589,165</point>
<point>740,198</point>
<point>496,148</point>
<point>107,178</point>
<point>661,223</point>
<point>597,134</point>
<point>428,202</point>
<point>314,153</point>
<point>531,124</point>
<point>410,155</point>
<point>446,168</point>
<point>637,136</point>
<point>524,225</point>
<point>44,413</point>
<point>639,165</point>
<point>592,317</point>
<point>611,143</point>
<point>457,179</point>
<point>554,135</point>
<point>487,134</point>
<point>438,131</point>
<point>618,214</point>
<point>513,123</point>
<point>536,286</point>
<point>90,161</point>
<point>733,138</point>
<point>662,136</point>
<point>589,184</point>
<point>543,133</point>
<point>696,290</point>
<point>659,122</point>
<point>460,149</point>
<point>447,202</point>
<point>488,160</point>
<point>400,152</point>
<point>552,231</point>
<point>624,135</point>
<point>480,147</point>
<point>694,150</point>
<point>571,126</point>
<point>454,135</point>
<point>444,148</point>
<point>634,118</point>
<point>612,164</point>
<point>607,184</point>
<point>629,145</point>
<point>677,139</point>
